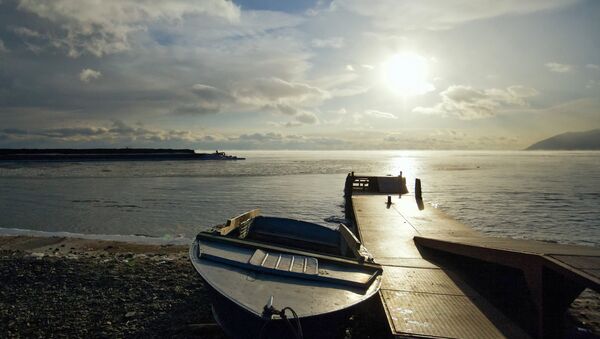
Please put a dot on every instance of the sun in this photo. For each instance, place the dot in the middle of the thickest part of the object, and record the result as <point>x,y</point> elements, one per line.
<point>406,74</point>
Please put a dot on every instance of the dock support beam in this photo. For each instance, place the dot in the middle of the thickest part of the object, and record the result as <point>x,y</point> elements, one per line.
<point>552,294</point>
<point>552,285</point>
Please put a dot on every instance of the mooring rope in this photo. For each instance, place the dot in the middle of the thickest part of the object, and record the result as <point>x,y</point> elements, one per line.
<point>268,313</point>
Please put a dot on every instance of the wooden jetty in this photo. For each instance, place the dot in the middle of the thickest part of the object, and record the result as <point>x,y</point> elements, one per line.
<point>429,261</point>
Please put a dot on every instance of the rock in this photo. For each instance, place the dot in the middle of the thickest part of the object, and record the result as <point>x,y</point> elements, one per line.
<point>130,314</point>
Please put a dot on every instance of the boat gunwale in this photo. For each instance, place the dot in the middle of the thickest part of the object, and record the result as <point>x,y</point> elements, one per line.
<point>321,256</point>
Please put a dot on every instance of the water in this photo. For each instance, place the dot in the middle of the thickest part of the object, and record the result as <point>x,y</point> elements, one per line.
<point>551,196</point>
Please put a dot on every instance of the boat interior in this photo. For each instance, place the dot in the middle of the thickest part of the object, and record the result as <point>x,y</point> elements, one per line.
<point>292,248</point>
<point>295,234</point>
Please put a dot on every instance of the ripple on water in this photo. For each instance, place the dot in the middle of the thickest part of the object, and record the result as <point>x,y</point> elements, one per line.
<point>500,193</point>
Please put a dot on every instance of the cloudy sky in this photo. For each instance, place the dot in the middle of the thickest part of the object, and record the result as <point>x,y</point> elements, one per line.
<point>342,74</point>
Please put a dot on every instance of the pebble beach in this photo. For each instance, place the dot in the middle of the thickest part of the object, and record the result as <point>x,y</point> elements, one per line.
<point>59,286</point>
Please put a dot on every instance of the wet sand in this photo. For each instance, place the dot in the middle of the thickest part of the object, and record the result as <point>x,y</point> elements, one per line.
<point>76,287</point>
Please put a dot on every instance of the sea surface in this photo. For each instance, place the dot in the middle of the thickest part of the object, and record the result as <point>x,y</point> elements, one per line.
<point>552,196</point>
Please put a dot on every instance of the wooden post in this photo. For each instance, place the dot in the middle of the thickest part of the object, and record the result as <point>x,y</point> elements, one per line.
<point>418,193</point>
<point>401,187</point>
<point>348,185</point>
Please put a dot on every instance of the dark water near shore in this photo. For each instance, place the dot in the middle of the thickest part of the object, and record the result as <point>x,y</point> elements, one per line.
<point>539,195</point>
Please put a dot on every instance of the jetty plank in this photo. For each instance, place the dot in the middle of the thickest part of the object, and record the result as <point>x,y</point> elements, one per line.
<point>420,298</point>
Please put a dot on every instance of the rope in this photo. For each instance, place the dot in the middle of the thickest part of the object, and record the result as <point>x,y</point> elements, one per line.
<point>297,332</point>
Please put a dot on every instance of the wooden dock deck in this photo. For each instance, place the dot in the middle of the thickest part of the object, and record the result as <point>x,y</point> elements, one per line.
<point>424,298</point>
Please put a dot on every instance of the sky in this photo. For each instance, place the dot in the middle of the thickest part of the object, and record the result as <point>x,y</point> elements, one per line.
<point>342,74</point>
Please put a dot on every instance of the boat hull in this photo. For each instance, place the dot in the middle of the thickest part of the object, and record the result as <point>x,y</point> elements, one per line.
<point>245,275</point>
<point>241,324</point>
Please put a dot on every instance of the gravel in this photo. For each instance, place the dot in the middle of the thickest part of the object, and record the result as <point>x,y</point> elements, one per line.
<point>110,296</point>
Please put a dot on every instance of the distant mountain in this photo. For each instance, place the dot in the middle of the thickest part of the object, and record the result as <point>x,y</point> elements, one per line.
<point>588,140</point>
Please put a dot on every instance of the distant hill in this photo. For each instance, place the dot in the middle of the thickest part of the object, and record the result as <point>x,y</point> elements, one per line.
<point>588,140</point>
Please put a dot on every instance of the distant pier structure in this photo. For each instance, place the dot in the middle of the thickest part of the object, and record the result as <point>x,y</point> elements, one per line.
<point>442,279</point>
<point>108,154</point>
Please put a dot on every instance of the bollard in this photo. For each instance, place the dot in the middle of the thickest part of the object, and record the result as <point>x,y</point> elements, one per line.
<point>400,179</point>
<point>418,193</point>
<point>389,201</point>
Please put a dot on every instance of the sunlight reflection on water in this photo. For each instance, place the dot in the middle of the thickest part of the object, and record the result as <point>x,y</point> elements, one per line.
<point>541,195</point>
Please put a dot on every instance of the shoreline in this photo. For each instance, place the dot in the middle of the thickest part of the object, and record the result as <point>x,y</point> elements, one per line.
<point>106,288</point>
<point>141,239</point>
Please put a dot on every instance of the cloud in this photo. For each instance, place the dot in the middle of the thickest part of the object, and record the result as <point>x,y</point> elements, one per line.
<point>209,93</point>
<point>289,124</point>
<point>117,132</point>
<point>14,131</point>
<point>379,114</point>
<point>468,103</point>
<point>199,108</point>
<point>301,116</point>
<point>104,27</point>
<point>25,32</point>
<point>266,94</point>
<point>167,63</point>
<point>593,66</point>
<point>448,139</point>
<point>335,42</point>
<point>558,68</point>
<point>307,118</point>
<point>272,140</point>
<point>282,108</point>
<point>280,96</point>
<point>436,15</point>
<point>87,75</point>
<point>175,68</point>
<point>274,90</point>
<point>3,48</point>
<point>207,100</point>
<point>73,132</point>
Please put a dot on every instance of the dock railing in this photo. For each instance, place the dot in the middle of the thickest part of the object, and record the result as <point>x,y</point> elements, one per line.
<point>369,184</point>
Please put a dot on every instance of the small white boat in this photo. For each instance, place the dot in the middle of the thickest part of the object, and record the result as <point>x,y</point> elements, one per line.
<point>276,277</point>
